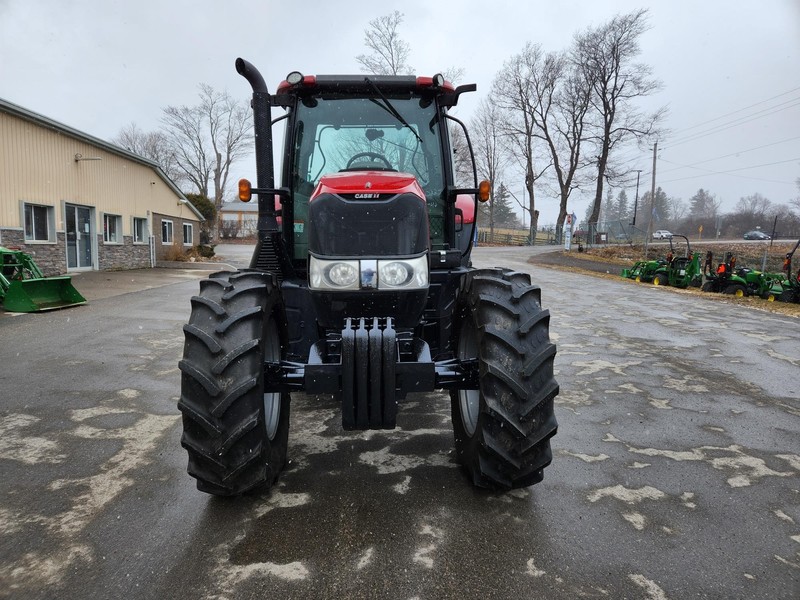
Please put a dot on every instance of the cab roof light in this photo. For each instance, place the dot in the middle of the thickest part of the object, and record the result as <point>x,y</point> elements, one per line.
<point>295,78</point>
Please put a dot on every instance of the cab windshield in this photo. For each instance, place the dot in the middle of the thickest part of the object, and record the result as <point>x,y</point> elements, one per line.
<point>335,134</point>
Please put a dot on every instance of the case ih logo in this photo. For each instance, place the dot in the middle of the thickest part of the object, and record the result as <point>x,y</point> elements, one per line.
<point>366,196</point>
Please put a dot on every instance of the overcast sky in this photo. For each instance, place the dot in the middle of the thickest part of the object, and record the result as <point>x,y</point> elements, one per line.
<point>730,68</point>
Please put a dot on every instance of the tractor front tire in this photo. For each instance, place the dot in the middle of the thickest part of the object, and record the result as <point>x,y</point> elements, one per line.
<point>235,434</point>
<point>503,429</point>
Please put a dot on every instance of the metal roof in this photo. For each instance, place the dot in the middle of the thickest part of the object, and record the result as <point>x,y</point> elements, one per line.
<point>42,121</point>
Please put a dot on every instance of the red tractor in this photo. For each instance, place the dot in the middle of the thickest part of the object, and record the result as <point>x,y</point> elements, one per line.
<point>361,286</point>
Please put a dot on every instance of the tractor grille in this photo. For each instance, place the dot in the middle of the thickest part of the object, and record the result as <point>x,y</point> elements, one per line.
<point>267,258</point>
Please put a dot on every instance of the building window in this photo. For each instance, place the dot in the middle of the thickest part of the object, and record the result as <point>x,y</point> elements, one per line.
<point>166,232</point>
<point>187,234</point>
<point>38,223</point>
<point>112,229</point>
<point>140,233</point>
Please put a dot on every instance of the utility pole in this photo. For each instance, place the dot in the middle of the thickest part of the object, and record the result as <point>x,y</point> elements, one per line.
<point>652,201</point>
<point>636,201</point>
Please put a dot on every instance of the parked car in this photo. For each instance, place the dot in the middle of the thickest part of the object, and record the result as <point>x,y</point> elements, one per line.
<point>662,234</point>
<point>756,235</point>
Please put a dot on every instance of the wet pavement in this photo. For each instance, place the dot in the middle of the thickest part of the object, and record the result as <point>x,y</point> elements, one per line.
<point>676,469</point>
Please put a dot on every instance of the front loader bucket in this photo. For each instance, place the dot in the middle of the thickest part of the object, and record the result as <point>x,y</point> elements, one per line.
<point>33,295</point>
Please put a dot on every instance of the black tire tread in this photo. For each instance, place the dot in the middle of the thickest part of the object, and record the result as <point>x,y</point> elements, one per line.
<point>221,393</point>
<point>511,446</point>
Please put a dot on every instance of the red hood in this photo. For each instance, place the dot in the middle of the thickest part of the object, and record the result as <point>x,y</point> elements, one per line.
<point>368,182</point>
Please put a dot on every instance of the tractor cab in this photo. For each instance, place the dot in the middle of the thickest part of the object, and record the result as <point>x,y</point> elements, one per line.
<point>362,139</point>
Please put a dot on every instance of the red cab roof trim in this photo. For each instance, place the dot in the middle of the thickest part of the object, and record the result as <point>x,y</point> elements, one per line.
<point>308,81</point>
<point>428,82</point>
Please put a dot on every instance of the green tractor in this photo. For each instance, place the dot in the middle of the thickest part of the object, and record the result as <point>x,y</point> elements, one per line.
<point>790,286</point>
<point>758,283</point>
<point>740,282</point>
<point>23,287</point>
<point>722,279</point>
<point>679,271</point>
<point>644,270</point>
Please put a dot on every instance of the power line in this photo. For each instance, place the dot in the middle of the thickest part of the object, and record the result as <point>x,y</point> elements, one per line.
<point>727,155</point>
<point>738,110</point>
<point>731,171</point>
<point>735,123</point>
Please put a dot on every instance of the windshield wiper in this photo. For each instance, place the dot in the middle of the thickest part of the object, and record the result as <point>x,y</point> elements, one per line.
<point>391,109</point>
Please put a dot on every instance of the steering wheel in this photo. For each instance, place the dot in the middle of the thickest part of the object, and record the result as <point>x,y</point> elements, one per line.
<point>372,155</point>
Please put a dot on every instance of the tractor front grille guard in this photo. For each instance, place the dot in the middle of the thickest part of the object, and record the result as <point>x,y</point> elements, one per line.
<point>372,366</point>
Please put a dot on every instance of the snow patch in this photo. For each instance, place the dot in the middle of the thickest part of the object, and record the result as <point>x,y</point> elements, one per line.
<point>651,588</point>
<point>403,486</point>
<point>782,515</point>
<point>365,559</point>
<point>587,458</point>
<point>627,495</point>
<point>280,500</point>
<point>30,450</point>
<point>387,463</point>
<point>636,519</point>
<point>532,570</point>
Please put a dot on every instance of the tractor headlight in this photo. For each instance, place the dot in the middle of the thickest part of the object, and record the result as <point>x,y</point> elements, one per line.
<point>333,274</point>
<point>342,274</point>
<point>409,273</point>
<point>395,274</point>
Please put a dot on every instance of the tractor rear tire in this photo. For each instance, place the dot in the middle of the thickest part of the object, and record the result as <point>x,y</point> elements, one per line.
<point>708,286</point>
<point>503,429</point>
<point>660,279</point>
<point>235,434</point>
<point>735,289</point>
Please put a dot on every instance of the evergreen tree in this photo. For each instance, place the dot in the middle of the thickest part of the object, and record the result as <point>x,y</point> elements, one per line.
<point>504,215</point>
<point>623,210</point>
<point>608,213</point>
<point>702,204</point>
<point>657,212</point>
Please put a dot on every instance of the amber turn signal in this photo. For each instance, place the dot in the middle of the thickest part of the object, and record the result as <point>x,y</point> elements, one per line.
<point>245,190</point>
<point>484,188</point>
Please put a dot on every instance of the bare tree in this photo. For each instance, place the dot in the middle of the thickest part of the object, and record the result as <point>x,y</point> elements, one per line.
<point>453,74</point>
<point>208,138</point>
<point>563,94</point>
<point>677,209</point>
<point>490,157</point>
<point>754,206</point>
<point>796,201</point>
<point>606,55</point>
<point>388,52</point>
<point>517,97</point>
<point>152,145</point>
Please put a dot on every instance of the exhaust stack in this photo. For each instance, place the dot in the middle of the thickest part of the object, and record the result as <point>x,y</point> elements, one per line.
<point>262,127</point>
